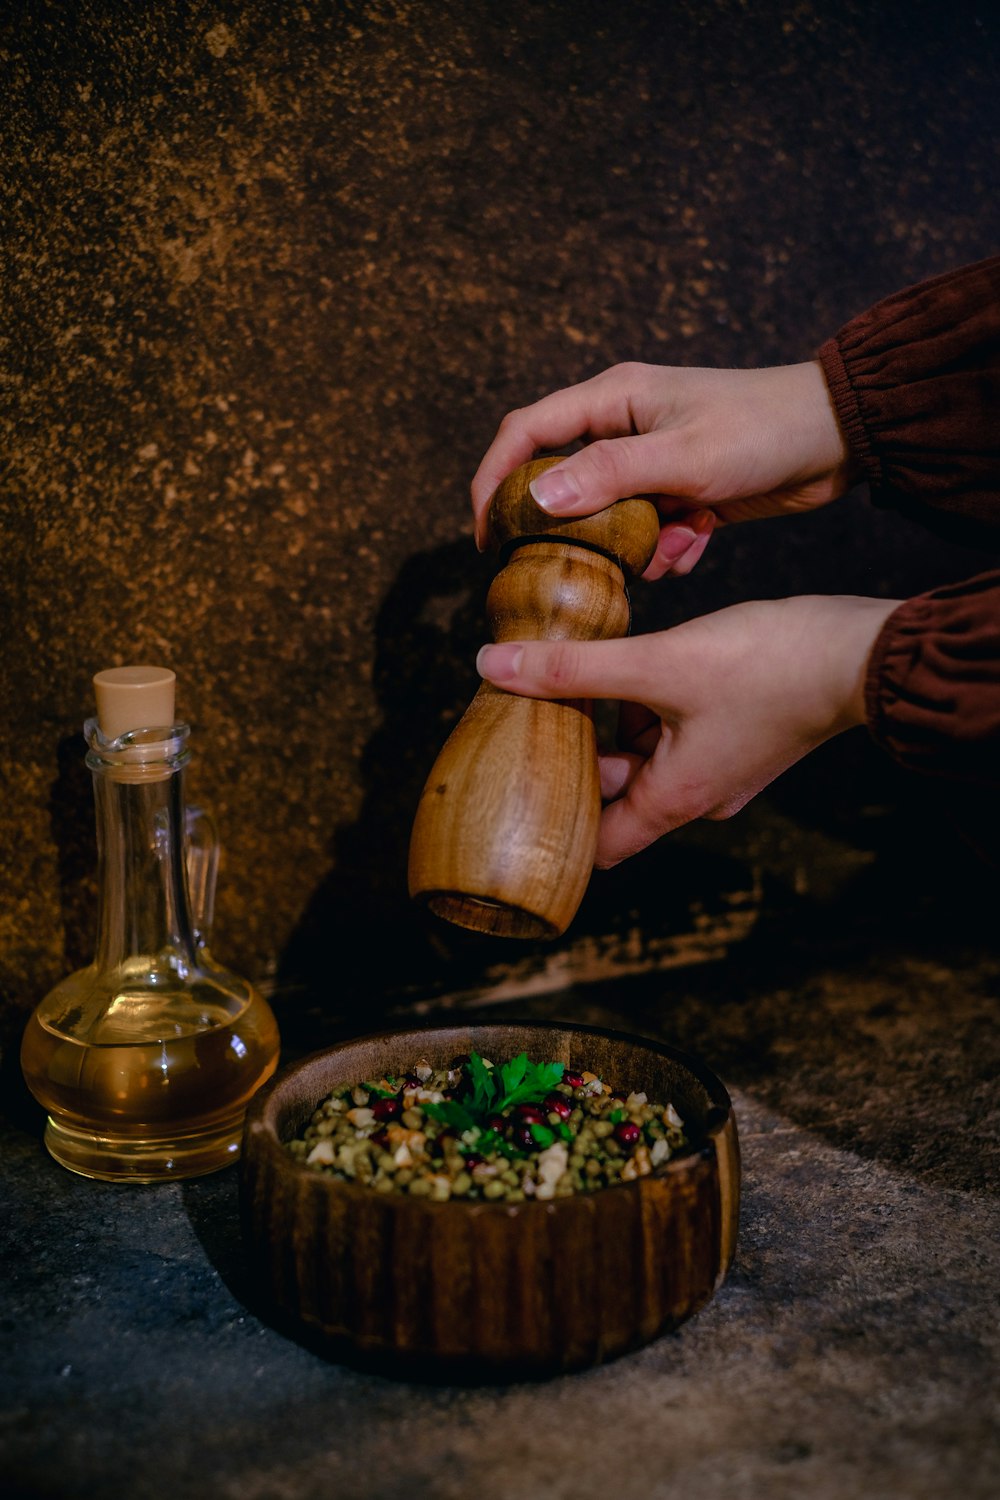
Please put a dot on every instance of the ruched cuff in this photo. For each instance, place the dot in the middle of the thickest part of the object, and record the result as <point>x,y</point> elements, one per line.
<point>915,382</point>
<point>932,688</point>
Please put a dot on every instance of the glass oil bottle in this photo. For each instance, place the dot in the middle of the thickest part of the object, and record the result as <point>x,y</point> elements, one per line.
<point>146,1059</point>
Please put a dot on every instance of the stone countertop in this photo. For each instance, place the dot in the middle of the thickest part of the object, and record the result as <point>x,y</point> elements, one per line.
<point>853,1349</point>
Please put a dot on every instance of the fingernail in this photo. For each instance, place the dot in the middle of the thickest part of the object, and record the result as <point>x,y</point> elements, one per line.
<point>676,542</point>
<point>703,521</point>
<point>555,490</point>
<point>499,664</point>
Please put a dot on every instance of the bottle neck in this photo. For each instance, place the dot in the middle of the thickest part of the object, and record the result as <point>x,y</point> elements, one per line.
<point>143,905</point>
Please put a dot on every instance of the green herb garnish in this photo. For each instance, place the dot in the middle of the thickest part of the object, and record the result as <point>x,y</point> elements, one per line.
<point>452,1112</point>
<point>494,1090</point>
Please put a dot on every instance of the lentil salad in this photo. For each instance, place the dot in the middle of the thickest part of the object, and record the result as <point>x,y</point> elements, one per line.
<point>475,1131</point>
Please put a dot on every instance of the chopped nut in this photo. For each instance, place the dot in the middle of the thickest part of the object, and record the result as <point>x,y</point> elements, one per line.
<point>399,1135</point>
<point>359,1118</point>
<point>552,1162</point>
<point>322,1152</point>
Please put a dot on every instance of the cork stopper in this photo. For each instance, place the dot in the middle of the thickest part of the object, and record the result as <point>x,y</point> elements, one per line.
<point>131,698</point>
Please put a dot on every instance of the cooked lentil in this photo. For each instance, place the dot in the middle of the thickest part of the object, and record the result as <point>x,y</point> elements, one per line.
<point>430,1134</point>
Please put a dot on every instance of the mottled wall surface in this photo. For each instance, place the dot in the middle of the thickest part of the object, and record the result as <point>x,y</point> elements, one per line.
<point>272,274</point>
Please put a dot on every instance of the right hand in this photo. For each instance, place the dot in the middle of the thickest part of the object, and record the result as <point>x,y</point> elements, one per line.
<point>713,710</point>
<point>709,446</point>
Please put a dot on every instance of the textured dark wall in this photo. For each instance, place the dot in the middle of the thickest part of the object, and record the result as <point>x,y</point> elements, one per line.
<point>273,272</point>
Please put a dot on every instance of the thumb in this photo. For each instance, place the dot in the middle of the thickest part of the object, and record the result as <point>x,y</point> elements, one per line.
<point>613,469</point>
<point>621,668</point>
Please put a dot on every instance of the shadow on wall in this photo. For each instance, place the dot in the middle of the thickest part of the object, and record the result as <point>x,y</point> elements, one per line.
<point>360,938</point>
<point>362,945</point>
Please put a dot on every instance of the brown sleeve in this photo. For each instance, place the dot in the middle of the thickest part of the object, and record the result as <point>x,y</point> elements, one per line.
<point>915,381</point>
<point>932,690</point>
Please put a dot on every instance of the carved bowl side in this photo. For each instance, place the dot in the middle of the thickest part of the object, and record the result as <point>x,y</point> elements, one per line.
<point>489,1288</point>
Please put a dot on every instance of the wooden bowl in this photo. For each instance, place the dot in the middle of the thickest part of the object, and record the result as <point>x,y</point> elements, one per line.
<point>491,1288</point>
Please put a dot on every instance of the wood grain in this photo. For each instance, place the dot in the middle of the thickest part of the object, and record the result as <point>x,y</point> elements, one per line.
<point>489,1288</point>
<point>506,829</point>
<point>627,531</point>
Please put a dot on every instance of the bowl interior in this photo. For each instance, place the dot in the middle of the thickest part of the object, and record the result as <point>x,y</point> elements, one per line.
<point>625,1062</point>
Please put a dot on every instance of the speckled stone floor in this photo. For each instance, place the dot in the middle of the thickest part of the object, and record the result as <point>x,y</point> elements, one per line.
<point>853,1349</point>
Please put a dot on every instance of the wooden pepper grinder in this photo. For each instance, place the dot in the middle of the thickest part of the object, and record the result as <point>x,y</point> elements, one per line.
<point>506,829</point>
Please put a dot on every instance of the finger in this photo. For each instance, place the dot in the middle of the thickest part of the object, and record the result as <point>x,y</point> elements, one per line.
<point>639,817</point>
<point>681,544</point>
<point>613,469</point>
<point>693,554</point>
<point>617,771</point>
<point>598,407</point>
<point>575,669</point>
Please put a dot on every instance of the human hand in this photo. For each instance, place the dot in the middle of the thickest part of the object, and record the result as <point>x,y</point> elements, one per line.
<point>710,446</point>
<point>713,710</point>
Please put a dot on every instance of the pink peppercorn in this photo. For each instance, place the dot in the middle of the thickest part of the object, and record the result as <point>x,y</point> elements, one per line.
<point>530,1114</point>
<point>386,1109</point>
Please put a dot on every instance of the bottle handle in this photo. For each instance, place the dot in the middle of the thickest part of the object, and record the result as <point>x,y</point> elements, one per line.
<point>201,858</point>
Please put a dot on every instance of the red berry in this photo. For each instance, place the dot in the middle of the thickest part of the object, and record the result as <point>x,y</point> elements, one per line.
<point>529,1114</point>
<point>522,1137</point>
<point>472,1161</point>
<point>411,1081</point>
<point>572,1080</point>
<point>496,1123</point>
<point>557,1104</point>
<point>386,1109</point>
<point>627,1134</point>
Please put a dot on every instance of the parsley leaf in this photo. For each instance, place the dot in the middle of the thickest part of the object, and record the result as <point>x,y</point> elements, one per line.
<point>535,1081</point>
<point>484,1087</point>
<point>490,1091</point>
<point>451,1112</point>
<point>512,1073</point>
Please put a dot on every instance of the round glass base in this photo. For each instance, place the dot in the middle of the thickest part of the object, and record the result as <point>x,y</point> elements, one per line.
<point>154,1159</point>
